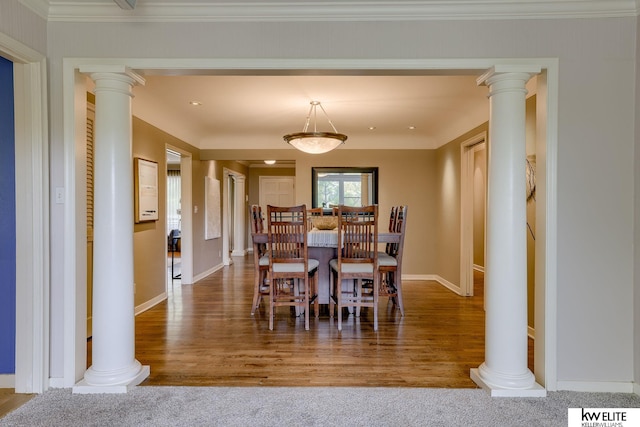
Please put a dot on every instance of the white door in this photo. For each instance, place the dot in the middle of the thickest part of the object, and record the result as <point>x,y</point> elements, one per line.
<point>276,191</point>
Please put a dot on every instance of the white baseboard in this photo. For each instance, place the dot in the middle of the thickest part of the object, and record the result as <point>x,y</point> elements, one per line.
<point>208,272</point>
<point>151,303</point>
<point>636,388</point>
<point>416,277</point>
<point>241,252</point>
<point>57,383</point>
<point>7,381</point>
<point>597,386</point>
<point>432,277</point>
<point>449,285</point>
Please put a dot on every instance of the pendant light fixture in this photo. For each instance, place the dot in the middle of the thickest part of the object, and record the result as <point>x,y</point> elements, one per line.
<point>315,142</point>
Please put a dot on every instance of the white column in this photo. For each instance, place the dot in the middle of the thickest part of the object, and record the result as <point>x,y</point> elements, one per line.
<point>239,243</point>
<point>504,371</point>
<point>114,367</point>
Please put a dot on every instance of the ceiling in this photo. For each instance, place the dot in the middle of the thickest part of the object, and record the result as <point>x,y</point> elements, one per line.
<point>375,112</point>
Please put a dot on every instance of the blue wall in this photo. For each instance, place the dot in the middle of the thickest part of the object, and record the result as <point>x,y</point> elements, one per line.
<point>7,222</point>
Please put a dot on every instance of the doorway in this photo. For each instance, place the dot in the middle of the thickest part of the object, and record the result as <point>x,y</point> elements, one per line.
<point>276,191</point>
<point>473,64</point>
<point>233,216</point>
<point>472,209</point>
<point>174,220</point>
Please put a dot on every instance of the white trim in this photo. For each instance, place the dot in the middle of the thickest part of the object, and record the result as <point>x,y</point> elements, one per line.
<point>208,272</point>
<point>449,285</point>
<point>65,11</point>
<point>239,217</point>
<point>17,52</point>
<point>636,388</point>
<point>546,329</point>
<point>7,381</point>
<point>596,386</point>
<point>468,149</point>
<point>57,383</point>
<point>546,287</point>
<point>186,215</point>
<point>150,303</point>
<point>74,340</point>
<point>32,216</point>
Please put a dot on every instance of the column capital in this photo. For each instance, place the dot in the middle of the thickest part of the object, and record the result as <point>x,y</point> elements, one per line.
<point>524,72</point>
<point>121,70</point>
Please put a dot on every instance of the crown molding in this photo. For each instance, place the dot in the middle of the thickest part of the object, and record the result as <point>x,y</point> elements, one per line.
<point>39,7</point>
<point>354,10</point>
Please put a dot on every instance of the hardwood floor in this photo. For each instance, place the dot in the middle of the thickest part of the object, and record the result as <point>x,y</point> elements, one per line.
<point>10,401</point>
<point>204,335</point>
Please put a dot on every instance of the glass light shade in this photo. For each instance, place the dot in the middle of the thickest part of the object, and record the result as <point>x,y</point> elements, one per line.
<point>315,142</point>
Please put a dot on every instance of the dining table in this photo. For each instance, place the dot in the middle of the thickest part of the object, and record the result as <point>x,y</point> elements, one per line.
<point>323,246</point>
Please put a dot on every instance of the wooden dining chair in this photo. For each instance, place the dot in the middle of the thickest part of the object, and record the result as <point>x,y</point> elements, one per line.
<point>260,260</point>
<point>357,261</point>
<point>390,261</point>
<point>292,275</point>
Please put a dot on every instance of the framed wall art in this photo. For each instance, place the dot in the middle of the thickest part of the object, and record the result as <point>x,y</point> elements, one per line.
<point>145,190</point>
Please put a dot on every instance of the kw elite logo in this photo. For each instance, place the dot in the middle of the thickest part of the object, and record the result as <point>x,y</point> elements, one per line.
<point>604,417</point>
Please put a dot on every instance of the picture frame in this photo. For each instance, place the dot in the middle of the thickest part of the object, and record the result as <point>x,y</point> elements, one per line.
<point>145,190</point>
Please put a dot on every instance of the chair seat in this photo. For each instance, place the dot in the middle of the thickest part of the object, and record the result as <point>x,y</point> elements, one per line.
<point>386,260</point>
<point>286,267</point>
<point>264,261</point>
<point>352,267</point>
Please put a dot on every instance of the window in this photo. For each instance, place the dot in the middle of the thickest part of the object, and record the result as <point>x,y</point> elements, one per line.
<point>344,186</point>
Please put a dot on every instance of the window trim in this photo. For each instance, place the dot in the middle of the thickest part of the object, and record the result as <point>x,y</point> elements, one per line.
<point>315,171</point>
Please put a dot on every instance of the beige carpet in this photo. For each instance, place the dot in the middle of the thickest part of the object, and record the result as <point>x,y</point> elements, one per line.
<point>305,406</point>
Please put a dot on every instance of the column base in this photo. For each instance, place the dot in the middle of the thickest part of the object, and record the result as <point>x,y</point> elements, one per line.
<point>535,390</point>
<point>83,387</point>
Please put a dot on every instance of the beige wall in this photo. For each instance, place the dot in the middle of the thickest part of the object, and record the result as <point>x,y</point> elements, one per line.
<point>405,177</point>
<point>447,203</point>
<point>150,238</point>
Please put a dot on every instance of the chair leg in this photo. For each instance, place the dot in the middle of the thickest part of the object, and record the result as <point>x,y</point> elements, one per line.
<point>339,298</point>
<point>316,305</point>
<point>271,305</point>
<point>357,286</point>
<point>332,294</point>
<point>398,283</point>
<point>376,296</point>
<point>307,306</point>
<point>257,297</point>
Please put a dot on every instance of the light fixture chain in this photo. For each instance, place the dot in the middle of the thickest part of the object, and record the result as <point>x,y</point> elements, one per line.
<point>328,119</point>
<point>306,123</point>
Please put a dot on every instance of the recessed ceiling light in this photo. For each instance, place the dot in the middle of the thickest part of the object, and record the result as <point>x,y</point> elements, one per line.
<point>270,162</point>
<point>411,127</point>
<point>195,103</point>
<point>372,128</point>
